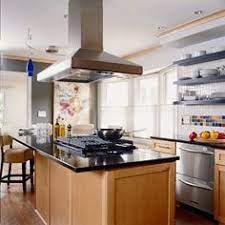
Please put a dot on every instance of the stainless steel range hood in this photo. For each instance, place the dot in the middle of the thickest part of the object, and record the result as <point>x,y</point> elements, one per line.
<point>90,62</point>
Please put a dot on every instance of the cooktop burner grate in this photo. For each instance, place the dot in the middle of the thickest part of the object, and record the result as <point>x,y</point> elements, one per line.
<point>92,144</point>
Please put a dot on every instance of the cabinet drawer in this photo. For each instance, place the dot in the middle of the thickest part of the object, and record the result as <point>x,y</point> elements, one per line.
<point>220,157</point>
<point>164,146</point>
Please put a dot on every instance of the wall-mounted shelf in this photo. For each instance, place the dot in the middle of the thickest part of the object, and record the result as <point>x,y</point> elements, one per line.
<point>201,59</point>
<point>201,102</point>
<point>203,80</point>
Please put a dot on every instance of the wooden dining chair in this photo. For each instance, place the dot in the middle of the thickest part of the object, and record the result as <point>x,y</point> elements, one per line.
<point>11,155</point>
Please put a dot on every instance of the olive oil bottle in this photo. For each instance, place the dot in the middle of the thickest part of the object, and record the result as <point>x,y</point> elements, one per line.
<point>62,128</point>
<point>57,128</point>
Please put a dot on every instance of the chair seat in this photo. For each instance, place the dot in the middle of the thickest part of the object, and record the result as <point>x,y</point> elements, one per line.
<point>18,155</point>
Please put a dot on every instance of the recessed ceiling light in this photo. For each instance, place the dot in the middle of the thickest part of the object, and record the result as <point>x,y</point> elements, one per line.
<point>198,12</point>
<point>161,28</point>
<point>52,49</point>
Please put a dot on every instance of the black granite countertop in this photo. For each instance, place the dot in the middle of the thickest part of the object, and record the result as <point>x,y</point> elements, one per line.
<point>70,159</point>
<point>186,140</point>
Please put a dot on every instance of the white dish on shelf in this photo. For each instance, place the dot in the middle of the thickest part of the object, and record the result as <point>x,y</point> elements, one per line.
<point>189,98</point>
<point>218,49</point>
<point>186,56</point>
<point>218,95</point>
<point>199,53</point>
<point>184,78</point>
<point>208,72</point>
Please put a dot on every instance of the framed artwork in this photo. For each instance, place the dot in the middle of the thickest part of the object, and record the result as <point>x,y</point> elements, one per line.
<point>72,102</point>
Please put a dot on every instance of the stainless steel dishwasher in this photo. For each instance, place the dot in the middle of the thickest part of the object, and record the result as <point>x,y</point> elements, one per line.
<point>195,176</point>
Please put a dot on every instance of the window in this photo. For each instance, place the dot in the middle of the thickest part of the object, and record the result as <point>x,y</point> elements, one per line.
<point>114,104</point>
<point>142,106</point>
<point>145,106</point>
<point>1,109</point>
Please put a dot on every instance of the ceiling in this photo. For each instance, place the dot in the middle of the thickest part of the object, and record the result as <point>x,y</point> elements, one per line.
<point>129,25</point>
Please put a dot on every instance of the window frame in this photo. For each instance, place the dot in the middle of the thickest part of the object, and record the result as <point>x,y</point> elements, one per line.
<point>131,100</point>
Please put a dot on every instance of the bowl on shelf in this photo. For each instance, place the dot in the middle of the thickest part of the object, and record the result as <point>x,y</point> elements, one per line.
<point>184,78</point>
<point>186,56</point>
<point>199,53</point>
<point>208,72</point>
<point>218,49</point>
<point>217,95</point>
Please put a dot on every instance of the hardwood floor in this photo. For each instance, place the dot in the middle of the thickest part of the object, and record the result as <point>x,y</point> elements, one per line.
<point>18,209</point>
<point>188,217</point>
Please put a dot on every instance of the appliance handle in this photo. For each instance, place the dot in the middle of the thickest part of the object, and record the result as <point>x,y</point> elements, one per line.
<point>193,151</point>
<point>206,187</point>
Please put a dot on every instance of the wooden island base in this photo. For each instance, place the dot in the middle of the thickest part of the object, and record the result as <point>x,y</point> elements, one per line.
<point>142,195</point>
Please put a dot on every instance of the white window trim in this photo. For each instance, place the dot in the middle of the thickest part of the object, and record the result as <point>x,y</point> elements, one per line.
<point>161,101</point>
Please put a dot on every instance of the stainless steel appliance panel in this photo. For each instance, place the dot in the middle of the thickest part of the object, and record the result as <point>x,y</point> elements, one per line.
<point>196,161</point>
<point>195,193</point>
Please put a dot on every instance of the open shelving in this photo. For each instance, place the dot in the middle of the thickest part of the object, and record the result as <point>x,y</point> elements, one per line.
<point>202,80</point>
<point>201,59</point>
<point>201,102</point>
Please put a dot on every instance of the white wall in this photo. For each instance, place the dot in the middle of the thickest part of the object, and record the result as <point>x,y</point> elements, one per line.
<point>166,55</point>
<point>14,87</point>
<point>158,58</point>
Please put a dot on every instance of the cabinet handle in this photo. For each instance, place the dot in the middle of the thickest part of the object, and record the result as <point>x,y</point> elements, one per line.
<point>206,187</point>
<point>199,152</point>
<point>163,146</point>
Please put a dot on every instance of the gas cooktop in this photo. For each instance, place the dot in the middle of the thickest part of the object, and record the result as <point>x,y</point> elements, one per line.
<point>93,145</point>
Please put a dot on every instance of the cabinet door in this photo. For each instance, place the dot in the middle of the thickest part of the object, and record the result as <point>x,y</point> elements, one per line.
<point>220,157</point>
<point>164,146</point>
<point>60,194</point>
<point>220,193</point>
<point>141,196</point>
<point>42,186</point>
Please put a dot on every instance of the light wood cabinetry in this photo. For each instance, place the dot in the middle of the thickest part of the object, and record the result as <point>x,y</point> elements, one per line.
<point>87,198</point>
<point>164,146</point>
<point>220,157</point>
<point>59,195</point>
<point>219,192</point>
<point>42,186</point>
<point>142,195</point>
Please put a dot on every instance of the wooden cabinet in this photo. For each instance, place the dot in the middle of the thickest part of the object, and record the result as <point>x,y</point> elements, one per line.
<point>219,192</point>
<point>164,146</point>
<point>143,195</point>
<point>59,195</point>
<point>220,157</point>
<point>42,186</point>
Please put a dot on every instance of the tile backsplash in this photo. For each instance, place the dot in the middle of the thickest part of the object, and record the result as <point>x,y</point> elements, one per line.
<point>200,117</point>
<point>206,120</point>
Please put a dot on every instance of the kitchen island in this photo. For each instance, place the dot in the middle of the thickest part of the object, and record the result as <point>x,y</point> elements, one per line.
<point>136,188</point>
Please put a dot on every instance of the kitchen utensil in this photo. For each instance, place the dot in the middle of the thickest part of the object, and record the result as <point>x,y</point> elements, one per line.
<point>110,134</point>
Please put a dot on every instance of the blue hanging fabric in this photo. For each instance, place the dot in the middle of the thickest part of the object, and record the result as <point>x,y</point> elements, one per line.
<point>30,68</point>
